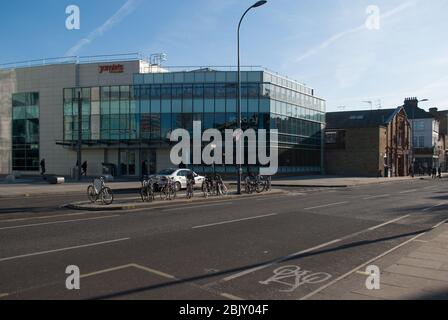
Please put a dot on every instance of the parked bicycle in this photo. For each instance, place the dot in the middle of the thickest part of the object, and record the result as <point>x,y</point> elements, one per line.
<point>168,189</point>
<point>99,191</point>
<point>208,187</point>
<point>257,184</point>
<point>220,187</point>
<point>147,192</point>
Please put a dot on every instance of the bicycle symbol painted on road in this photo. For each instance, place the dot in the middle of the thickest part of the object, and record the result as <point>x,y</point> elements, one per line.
<point>294,277</point>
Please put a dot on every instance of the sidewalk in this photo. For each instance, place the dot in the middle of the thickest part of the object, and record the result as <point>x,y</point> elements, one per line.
<point>37,187</point>
<point>416,271</point>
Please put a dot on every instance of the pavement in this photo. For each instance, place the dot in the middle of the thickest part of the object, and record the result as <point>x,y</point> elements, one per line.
<point>302,244</point>
<point>35,186</point>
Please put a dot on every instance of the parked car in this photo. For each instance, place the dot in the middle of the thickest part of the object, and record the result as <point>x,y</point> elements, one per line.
<point>179,176</point>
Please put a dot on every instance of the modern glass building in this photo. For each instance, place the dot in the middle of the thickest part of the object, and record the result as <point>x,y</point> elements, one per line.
<point>130,107</point>
<point>140,117</point>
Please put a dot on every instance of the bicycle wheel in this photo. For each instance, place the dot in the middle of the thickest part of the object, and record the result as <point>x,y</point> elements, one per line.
<point>107,196</point>
<point>91,194</point>
<point>259,187</point>
<point>144,194</point>
<point>224,190</point>
<point>163,193</point>
<point>173,193</point>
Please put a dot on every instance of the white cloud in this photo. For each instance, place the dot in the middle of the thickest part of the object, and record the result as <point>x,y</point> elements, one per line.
<point>124,11</point>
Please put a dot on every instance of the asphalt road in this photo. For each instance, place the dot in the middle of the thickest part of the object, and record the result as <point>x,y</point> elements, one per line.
<point>272,247</point>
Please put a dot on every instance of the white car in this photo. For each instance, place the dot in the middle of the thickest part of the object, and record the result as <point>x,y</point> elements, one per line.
<point>179,176</point>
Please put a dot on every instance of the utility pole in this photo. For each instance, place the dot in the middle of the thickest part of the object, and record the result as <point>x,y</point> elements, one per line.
<point>79,135</point>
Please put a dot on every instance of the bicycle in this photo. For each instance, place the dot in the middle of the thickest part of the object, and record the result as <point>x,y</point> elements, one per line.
<point>147,191</point>
<point>220,187</point>
<point>208,187</point>
<point>99,191</point>
<point>250,184</point>
<point>169,190</point>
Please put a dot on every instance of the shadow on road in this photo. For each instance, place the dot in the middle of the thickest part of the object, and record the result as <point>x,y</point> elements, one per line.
<point>265,263</point>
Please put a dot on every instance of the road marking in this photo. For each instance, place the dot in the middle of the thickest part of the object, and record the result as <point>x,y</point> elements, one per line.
<point>56,222</point>
<point>327,205</point>
<point>437,205</point>
<point>378,197</point>
<point>46,217</point>
<point>63,249</point>
<point>267,265</point>
<point>389,222</point>
<point>408,191</point>
<point>233,221</point>
<point>195,207</point>
<point>96,273</point>
<point>231,297</point>
<point>156,272</point>
<point>369,262</point>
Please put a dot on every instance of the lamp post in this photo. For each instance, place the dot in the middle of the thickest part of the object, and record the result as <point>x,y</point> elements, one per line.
<point>240,168</point>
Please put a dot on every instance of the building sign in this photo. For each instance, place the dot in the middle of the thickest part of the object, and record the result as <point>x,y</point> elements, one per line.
<point>111,68</point>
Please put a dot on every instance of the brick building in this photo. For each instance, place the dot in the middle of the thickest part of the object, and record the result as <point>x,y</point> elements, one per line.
<point>368,143</point>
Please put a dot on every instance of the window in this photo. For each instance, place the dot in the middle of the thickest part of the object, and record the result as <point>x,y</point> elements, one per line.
<point>25,131</point>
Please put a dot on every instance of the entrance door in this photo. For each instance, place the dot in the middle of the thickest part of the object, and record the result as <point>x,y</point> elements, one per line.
<point>151,160</point>
<point>127,163</point>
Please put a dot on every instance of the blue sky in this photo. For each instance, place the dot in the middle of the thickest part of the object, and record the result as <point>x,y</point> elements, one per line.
<point>324,44</point>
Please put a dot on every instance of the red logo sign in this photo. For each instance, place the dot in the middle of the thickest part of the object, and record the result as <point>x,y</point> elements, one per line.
<point>112,68</point>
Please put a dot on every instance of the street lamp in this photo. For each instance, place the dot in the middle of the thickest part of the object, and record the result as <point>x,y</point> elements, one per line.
<point>240,168</point>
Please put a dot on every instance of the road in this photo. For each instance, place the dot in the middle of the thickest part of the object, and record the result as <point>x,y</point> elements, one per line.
<point>223,249</point>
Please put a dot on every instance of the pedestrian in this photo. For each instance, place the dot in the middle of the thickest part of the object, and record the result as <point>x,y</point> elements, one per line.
<point>440,172</point>
<point>42,167</point>
<point>144,169</point>
<point>434,172</point>
<point>84,168</point>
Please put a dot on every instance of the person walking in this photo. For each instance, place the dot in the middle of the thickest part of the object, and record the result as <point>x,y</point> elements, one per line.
<point>84,168</point>
<point>42,167</point>
<point>440,172</point>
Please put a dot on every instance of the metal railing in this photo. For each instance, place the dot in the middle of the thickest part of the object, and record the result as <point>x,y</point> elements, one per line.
<point>73,60</point>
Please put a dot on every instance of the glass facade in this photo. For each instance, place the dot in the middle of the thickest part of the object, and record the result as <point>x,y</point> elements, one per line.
<point>25,131</point>
<point>159,103</point>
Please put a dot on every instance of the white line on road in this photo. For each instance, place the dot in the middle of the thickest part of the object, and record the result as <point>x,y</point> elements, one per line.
<point>327,205</point>
<point>63,249</point>
<point>233,221</point>
<point>56,222</point>
<point>408,191</point>
<point>156,272</point>
<point>378,197</point>
<point>46,217</point>
<point>389,222</point>
<point>252,270</point>
<point>195,207</point>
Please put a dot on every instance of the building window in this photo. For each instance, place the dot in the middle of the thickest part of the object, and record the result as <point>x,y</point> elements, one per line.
<point>25,131</point>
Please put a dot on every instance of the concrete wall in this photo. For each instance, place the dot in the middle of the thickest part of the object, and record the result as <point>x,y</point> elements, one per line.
<point>49,81</point>
<point>361,156</point>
